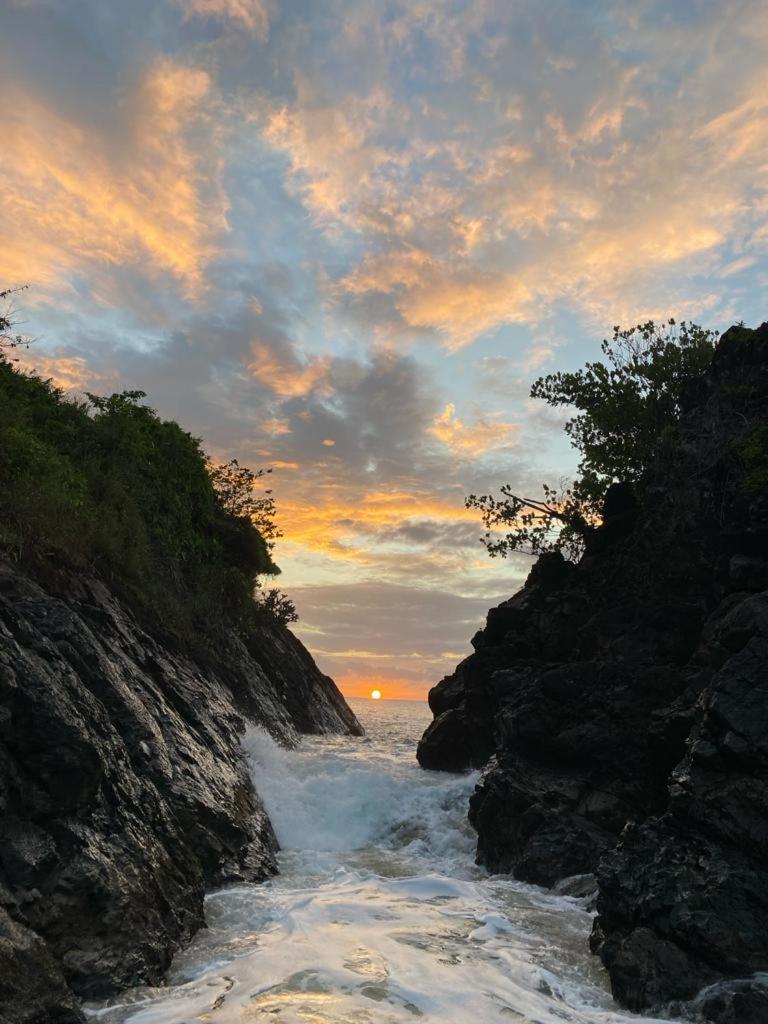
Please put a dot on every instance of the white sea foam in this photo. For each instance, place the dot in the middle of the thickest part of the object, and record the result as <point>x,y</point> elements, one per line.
<point>379,915</point>
<point>321,799</point>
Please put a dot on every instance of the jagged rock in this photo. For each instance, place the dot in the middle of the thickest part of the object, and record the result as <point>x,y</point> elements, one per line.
<point>123,789</point>
<point>528,826</point>
<point>735,1002</point>
<point>623,704</point>
<point>578,886</point>
<point>697,874</point>
<point>32,986</point>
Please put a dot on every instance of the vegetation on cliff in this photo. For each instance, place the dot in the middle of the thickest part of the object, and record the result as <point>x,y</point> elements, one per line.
<point>626,409</point>
<point>105,483</point>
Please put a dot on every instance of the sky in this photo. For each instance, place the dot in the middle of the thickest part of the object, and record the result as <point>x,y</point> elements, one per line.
<point>342,237</point>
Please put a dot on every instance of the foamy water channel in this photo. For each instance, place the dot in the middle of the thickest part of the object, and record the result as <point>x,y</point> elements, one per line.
<point>379,914</point>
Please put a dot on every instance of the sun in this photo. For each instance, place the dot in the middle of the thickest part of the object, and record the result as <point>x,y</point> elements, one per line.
<point>375,694</point>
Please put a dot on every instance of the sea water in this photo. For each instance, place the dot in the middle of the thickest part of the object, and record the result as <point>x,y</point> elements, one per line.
<point>379,914</point>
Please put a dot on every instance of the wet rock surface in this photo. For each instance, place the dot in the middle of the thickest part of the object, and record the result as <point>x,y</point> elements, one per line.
<point>623,703</point>
<point>124,794</point>
<point>737,1002</point>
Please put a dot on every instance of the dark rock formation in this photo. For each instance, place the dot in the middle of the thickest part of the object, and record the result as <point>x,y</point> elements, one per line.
<point>624,701</point>
<point>123,791</point>
<point>734,1002</point>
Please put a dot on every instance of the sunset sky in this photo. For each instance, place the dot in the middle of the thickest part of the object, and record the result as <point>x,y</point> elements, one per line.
<point>341,237</point>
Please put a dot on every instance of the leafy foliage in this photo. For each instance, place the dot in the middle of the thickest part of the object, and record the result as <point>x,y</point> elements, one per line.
<point>626,406</point>
<point>235,486</point>
<point>9,338</point>
<point>278,606</point>
<point>558,522</point>
<point>106,483</point>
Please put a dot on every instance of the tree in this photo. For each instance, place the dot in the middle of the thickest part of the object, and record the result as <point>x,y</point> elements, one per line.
<point>8,321</point>
<point>278,606</point>
<point>235,486</point>
<point>560,521</point>
<point>625,406</point>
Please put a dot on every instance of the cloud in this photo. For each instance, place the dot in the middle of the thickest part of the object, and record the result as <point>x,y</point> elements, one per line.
<point>528,178</point>
<point>459,301</point>
<point>284,373</point>
<point>73,199</point>
<point>340,239</point>
<point>69,372</point>
<point>252,15</point>
<point>474,440</point>
<point>352,628</point>
<point>429,532</point>
<point>332,160</point>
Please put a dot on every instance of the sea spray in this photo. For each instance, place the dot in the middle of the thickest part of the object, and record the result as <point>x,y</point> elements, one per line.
<point>379,915</point>
<point>321,799</point>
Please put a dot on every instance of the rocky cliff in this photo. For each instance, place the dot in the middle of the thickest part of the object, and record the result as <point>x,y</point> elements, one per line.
<point>620,706</point>
<point>123,791</point>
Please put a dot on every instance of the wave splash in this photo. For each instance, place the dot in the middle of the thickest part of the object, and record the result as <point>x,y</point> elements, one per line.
<point>379,914</point>
<point>321,799</point>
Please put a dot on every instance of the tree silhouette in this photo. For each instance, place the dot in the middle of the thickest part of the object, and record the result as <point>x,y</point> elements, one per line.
<point>10,339</point>
<point>624,407</point>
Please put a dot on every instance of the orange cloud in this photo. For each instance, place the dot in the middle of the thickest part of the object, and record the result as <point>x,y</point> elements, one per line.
<point>337,522</point>
<point>287,377</point>
<point>464,302</point>
<point>332,157</point>
<point>501,159</point>
<point>457,299</point>
<point>276,427</point>
<point>473,440</point>
<point>71,373</point>
<point>741,131</point>
<point>472,224</point>
<point>71,199</point>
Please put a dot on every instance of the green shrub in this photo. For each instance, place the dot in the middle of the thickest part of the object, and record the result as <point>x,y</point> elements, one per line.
<point>626,407</point>
<point>106,483</point>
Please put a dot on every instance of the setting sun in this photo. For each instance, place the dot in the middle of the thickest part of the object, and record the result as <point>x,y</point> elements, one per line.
<point>375,694</point>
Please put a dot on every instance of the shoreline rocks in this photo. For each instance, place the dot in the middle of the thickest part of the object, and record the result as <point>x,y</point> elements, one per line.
<point>623,702</point>
<point>124,793</point>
